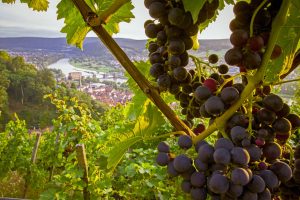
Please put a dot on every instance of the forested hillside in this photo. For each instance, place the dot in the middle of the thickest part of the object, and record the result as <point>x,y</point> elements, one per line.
<point>22,88</point>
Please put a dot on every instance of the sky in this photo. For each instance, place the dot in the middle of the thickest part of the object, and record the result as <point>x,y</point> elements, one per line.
<point>17,20</point>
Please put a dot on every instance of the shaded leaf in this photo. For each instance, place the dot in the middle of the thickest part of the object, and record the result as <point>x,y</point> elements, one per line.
<point>288,40</point>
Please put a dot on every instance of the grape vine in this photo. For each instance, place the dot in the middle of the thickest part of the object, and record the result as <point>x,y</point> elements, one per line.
<point>252,156</point>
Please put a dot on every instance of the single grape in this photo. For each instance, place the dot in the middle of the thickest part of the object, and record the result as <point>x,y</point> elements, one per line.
<point>180,73</point>
<point>265,195</point>
<point>199,144</point>
<point>162,159</point>
<point>223,143</point>
<point>255,152</point>
<point>272,151</point>
<point>266,116</point>
<point>157,9</point>
<point>229,95</point>
<point>282,170</point>
<point>202,93</point>
<point>198,194</point>
<point>295,121</point>
<point>214,105</point>
<point>200,166</point>
<point>156,70</point>
<point>163,147</point>
<point>240,156</point>
<point>151,30</point>
<point>223,69</point>
<point>155,58</point>
<point>176,47</point>
<point>273,102</point>
<point>252,60</point>
<point>186,186</point>
<point>237,134</point>
<point>176,16</point>
<point>164,82</point>
<point>256,43</point>
<point>182,163</point>
<point>171,169</point>
<point>205,153</point>
<point>257,184</point>
<point>185,141</point>
<point>240,176</point>
<point>222,156</point>
<point>211,84</point>
<point>235,190</point>
<point>239,38</point>
<point>240,7</point>
<point>198,179</point>
<point>213,58</point>
<point>282,125</point>
<point>270,179</point>
<point>218,184</point>
<point>247,195</point>
<point>284,111</point>
<point>234,56</point>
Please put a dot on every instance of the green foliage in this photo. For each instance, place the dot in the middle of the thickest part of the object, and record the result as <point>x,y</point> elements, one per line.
<point>37,5</point>
<point>288,40</point>
<point>75,27</point>
<point>15,150</point>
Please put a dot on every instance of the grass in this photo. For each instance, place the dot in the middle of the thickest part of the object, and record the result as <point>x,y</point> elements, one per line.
<point>92,65</point>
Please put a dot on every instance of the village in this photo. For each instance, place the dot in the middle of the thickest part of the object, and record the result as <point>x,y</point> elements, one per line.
<point>109,92</point>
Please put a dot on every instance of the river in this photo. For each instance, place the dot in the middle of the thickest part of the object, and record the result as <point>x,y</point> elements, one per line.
<point>66,68</point>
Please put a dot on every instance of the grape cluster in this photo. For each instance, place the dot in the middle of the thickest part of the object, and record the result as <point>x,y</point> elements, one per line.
<point>248,49</point>
<point>236,167</point>
<point>171,31</point>
<point>250,158</point>
<point>226,170</point>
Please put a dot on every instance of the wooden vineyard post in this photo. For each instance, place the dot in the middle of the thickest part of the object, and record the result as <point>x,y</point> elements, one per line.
<point>82,163</point>
<point>33,159</point>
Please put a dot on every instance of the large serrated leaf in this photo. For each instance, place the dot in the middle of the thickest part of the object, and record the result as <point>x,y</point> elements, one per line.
<point>76,28</point>
<point>37,5</point>
<point>144,129</point>
<point>118,151</point>
<point>288,40</point>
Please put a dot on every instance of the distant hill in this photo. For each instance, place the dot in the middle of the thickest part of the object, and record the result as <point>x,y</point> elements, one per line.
<point>92,46</point>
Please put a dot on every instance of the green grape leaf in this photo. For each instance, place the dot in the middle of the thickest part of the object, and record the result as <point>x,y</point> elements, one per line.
<point>289,41</point>
<point>124,14</point>
<point>146,126</point>
<point>75,26</point>
<point>37,5</point>
<point>193,7</point>
<point>135,107</point>
<point>118,151</point>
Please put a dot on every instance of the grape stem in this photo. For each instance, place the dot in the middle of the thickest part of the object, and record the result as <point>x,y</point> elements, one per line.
<point>254,80</point>
<point>254,15</point>
<point>288,81</point>
<point>228,80</point>
<point>151,92</point>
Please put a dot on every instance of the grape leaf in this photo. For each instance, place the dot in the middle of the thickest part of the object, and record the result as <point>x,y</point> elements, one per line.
<point>38,5</point>
<point>288,40</point>
<point>193,7</point>
<point>76,28</point>
<point>146,126</point>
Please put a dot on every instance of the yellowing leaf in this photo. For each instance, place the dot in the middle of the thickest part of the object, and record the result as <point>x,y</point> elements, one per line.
<point>38,5</point>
